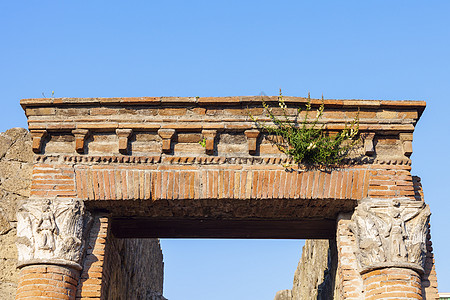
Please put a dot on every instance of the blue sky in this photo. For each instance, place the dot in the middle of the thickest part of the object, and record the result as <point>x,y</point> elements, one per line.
<point>389,50</point>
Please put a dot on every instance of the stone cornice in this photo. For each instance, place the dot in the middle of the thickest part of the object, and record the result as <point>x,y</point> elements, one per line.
<point>227,101</point>
<point>175,125</point>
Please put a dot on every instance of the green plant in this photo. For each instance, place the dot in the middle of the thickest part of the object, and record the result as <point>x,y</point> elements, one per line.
<point>203,142</point>
<point>306,142</point>
<point>53,93</point>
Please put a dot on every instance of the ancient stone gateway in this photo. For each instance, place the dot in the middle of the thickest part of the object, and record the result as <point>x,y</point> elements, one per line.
<point>134,167</point>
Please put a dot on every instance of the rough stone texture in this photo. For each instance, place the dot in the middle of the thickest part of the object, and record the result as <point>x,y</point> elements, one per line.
<point>135,269</point>
<point>15,170</point>
<point>8,271</point>
<point>314,277</point>
<point>129,279</point>
<point>315,274</point>
<point>283,295</point>
<point>15,179</point>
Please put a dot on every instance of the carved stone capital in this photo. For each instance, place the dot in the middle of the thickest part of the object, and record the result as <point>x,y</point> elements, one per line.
<point>390,233</point>
<point>51,232</point>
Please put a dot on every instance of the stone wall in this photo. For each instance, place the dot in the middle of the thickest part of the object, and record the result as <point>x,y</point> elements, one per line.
<point>15,179</point>
<point>135,269</point>
<point>316,273</point>
<point>136,265</point>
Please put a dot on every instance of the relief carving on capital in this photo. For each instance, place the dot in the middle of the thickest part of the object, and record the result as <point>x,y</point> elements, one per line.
<point>391,233</point>
<point>51,231</point>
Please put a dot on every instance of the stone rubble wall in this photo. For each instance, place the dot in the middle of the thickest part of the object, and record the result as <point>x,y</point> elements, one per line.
<point>314,278</point>
<point>15,179</point>
<point>135,268</point>
<point>130,280</point>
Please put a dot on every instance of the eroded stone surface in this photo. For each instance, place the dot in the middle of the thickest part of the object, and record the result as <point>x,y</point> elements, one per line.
<point>315,275</point>
<point>391,233</point>
<point>283,295</point>
<point>15,179</point>
<point>136,269</point>
<point>52,231</point>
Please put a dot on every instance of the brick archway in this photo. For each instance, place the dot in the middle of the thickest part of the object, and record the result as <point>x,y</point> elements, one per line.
<point>133,167</point>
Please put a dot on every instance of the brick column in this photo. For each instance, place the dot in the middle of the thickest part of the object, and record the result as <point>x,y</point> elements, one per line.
<point>392,283</point>
<point>390,247</point>
<point>50,245</point>
<point>47,281</point>
<point>349,285</point>
<point>94,279</point>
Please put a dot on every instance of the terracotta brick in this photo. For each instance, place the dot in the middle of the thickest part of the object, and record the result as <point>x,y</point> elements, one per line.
<point>261,184</point>
<point>242,184</point>
<point>175,182</point>
<point>289,185</point>
<point>320,185</point>
<point>254,184</point>
<point>183,187</point>
<point>344,184</point>
<point>141,177</point>
<point>379,188</point>
<point>277,184</point>
<point>293,185</point>
<point>215,181</point>
<point>309,188</point>
<point>231,185</point>
<point>193,182</point>
<point>265,184</point>
<point>134,177</point>
<point>325,188</point>
<point>375,193</point>
<point>299,184</point>
<point>226,184</point>
<point>164,184</point>
<point>107,185</point>
<point>207,178</point>
<point>118,184</point>
<point>112,185</point>
<point>237,185</point>
<point>304,186</point>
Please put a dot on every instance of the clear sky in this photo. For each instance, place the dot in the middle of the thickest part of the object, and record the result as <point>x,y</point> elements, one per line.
<point>344,49</point>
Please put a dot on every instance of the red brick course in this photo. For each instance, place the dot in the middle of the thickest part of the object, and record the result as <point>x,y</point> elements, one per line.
<point>392,283</point>
<point>47,282</point>
<point>149,182</point>
<point>94,276</point>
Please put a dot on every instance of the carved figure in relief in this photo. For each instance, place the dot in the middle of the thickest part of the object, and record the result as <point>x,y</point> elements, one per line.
<point>397,233</point>
<point>390,232</point>
<point>370,241</point>
<point>51,230</point>
<point>46,228</point>
<point>418,228</point>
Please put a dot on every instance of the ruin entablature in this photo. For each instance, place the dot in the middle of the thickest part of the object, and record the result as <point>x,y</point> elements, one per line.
<point>137,165</point>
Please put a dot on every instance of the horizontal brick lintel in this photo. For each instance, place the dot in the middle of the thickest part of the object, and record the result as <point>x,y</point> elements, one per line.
<point>130,183</point>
